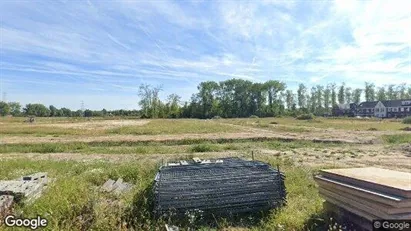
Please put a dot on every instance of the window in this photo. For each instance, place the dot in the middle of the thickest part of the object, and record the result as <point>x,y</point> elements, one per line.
<point>402,109</point>
<point>389,109</point>
<point>377,110</point>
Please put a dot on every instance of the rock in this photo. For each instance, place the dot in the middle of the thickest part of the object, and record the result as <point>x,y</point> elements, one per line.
<point>108,186</point>
<point>118,187</point>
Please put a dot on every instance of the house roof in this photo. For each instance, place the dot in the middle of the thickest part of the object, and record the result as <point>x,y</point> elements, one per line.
<point>386,103</point>
<point>394,103</point>
<point>368,104</point>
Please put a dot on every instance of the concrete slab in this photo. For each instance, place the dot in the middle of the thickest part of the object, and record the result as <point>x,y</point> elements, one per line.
<point>383,180</point>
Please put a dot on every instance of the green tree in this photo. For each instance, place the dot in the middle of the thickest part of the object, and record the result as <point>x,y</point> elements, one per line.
<point>391,92</point>
<point>53,111</point>
<point>4,108</point>
<point>333,94</point>
<point>15,108</point>
<point>301,96</point>
<point>319,98</point>
<point>381,94</point>
<point>68,113</point>
<point>341,94</point>
<point>357,95</point>
<point>348,95</point>
<point>289,99</point>
<point>369,92</point>
<point>173,106</point>
<point>207,98</point>
<point>402,91</point>
<point>327,98</point>
<point>38,110</point>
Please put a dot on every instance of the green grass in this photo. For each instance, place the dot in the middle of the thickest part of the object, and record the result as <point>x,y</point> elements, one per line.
<point>160,126</point>
<point>73,201</point>
<point>397,139</point>
<point>322,123</point>
<point>154,127</point>
<point>164,147</point>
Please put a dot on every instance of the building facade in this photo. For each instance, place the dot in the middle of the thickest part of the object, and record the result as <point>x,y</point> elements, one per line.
<point>384,109</point>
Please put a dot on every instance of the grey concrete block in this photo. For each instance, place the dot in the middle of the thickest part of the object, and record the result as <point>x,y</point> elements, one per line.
<point>108,186</point>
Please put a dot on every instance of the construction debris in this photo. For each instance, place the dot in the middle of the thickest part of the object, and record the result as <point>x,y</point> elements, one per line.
<point>6,203</point>
<point>117,187</point>
<point>367,194</point>
<point>220,187</point>
<point>23,190</point>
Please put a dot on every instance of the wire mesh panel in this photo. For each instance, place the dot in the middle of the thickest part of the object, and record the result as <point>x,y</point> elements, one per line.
<point>225,186</point>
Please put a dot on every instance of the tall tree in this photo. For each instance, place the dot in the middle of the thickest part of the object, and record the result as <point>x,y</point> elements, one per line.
<point>289,99</point>
<point>369,92</point>
<point>301,96</point>
<point>319,97</point>
<point>357,95</point>
<point>313,97</point>
<point>333,95</point>
<point>402,91</point>
<point>207,97</point>
<point>341,94</point>
<point>348,95</point>
<point>275,89</point>
<point>391,92</point>
<point>327,98</point>
<point>173,106</point>
<point>381,94</point>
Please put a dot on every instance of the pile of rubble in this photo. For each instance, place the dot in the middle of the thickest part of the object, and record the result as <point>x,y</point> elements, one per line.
<point>219,187</point>
<point>361,195</point>
<point>23,190</point>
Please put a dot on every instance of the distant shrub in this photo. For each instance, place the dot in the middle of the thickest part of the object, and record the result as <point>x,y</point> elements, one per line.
<point>372,129</point>
<point>407,129</point>
<point>407,120</point>
<point>254,117</point>
<point>305,117</point>
<point>216,117</point>
<point>202,148</point>
<point>273,122</point>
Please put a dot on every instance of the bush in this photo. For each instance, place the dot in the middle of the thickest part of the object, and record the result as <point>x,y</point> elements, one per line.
<point>273,122</point>
<point>202,148</point>
<point>407,120</point>
<point>254,117</point>
<point>305,117</point>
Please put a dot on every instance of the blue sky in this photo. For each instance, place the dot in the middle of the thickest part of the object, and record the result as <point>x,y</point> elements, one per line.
<point>64,52</point>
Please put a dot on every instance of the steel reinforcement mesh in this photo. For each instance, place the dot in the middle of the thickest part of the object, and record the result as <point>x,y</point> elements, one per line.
<point>231,187</point>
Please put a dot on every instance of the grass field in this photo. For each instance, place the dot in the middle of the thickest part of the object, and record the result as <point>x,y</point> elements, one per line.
<point>82,154</point>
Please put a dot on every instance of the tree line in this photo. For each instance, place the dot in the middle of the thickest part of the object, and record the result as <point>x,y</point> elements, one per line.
<point>242,98</point>
<point>40,110</point>
<point>231,99</point>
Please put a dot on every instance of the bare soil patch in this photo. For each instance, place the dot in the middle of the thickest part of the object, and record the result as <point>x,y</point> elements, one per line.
<point>103,124</point>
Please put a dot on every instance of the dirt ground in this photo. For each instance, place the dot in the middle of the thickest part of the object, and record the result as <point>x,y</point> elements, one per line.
<point>364,147</point>
<point>102,124</point>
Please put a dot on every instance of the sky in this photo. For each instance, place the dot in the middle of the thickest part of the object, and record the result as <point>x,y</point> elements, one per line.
<point>64,52</point>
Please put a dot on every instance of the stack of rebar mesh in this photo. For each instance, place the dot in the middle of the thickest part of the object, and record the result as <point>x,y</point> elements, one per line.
<point>362,195</point>
<point>226,186</point>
